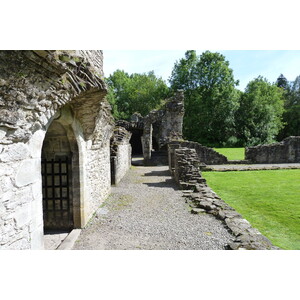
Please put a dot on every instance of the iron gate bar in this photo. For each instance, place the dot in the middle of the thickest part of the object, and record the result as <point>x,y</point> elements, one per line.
<point>53,188</point>
<point>60,183</point>
<point>68,192</point>
<point>46,185</point>
<point>56,179</point>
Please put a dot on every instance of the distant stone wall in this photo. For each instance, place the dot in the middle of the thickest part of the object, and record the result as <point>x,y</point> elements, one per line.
<point>163,125</point>
<point>287,151</point>
<point>205,155</point>
<point>37,87</point>
<point>120,154</point>
<point>201,198</point>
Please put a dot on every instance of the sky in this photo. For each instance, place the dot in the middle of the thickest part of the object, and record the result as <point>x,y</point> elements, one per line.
<point>246,64</point>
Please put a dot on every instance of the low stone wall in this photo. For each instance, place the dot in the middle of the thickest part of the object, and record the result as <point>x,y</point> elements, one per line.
<point>202,199</point>
<point>205,155</point>
<point>287,151</point>
<point>120,154</point>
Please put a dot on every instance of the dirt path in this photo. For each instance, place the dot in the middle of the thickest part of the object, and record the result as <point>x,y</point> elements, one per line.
<point>146,211</point>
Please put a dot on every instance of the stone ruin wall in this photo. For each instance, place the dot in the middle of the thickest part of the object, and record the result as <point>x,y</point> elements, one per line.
<point>200,197</point>
<point>164,125</point>
<point>205,154</point>
<point>34,87</point>
<point>120,154</point>
<point>287,151</point>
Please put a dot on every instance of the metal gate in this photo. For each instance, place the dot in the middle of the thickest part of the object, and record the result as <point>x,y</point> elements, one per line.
<point>57,194</point>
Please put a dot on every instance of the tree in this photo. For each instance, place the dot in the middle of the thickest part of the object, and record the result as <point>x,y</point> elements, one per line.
<point>291,116</point>
<point>283,83</point>
<point>210,97</point>
<point>183,73</point>
<point>135,93</point>
<point>259,117</point>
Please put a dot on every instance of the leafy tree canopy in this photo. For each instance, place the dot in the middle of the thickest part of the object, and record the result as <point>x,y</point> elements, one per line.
<point>259,117</point>
<point>210,96</point>
<point>291,116</point>
<point>135,93</point>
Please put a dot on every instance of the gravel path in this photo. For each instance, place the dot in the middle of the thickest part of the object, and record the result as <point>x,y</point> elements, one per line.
<point>146,211</point>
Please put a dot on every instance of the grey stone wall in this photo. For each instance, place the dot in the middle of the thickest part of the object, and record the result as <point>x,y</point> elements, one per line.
<point>164,125</point>
<point>120,154</point>
<point>35,89</point>
<point>201,199</point>
<point>287,151</point>
<point>205,154</point>
<point>98,178</point>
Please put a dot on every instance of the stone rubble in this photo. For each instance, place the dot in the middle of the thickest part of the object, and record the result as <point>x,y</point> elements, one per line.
<point>185,170</point>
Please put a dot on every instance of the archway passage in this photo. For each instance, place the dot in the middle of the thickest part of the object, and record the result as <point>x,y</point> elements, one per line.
<point>136,142</point>
<point>59,177</point>
<point>155,146</point>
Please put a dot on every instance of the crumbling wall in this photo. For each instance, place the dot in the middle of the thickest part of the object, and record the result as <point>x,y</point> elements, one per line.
<point>202,199</point>
<point>287,151</point>
<point>164,125</point>
<point>120,150</point>
<point>35,86</point>
<point>205,154</point>
<point>136,127</point>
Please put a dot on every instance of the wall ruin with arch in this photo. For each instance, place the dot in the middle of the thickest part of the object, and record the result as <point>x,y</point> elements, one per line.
<point>41,90</point>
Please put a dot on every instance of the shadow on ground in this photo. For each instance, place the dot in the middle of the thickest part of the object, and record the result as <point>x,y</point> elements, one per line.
<point>158,173</point>
<point>169,183</point>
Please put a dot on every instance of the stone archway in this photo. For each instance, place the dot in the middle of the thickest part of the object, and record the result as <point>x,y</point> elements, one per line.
<point>50,81</point>
<point>61,174</point>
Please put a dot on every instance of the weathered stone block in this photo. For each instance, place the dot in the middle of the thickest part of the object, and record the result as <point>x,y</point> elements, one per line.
<point>29,172</point>
<point>14,152</point>
<point>22,215</point>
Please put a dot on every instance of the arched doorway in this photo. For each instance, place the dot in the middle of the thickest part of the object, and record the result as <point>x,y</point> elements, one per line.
<point>136,142</point>
<point>60,177</point>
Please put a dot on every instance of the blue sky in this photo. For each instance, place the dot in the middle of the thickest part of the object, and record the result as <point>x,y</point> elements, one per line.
<point>246,64</point>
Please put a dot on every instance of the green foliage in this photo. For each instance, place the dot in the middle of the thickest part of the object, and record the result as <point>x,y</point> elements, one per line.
<point>283,83</point>
<point>269,200</point>
<point>291,116</point>
<point>210,97</point>
<point>259,117</point>
<point>135,93</point>
<point>111,98</point>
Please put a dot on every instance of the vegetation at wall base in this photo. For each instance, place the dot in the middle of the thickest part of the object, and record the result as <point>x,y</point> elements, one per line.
<point>269,200</point>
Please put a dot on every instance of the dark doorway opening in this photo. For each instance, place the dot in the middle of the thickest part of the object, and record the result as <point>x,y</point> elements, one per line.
<point>155,146</point>
<point>136,142</point>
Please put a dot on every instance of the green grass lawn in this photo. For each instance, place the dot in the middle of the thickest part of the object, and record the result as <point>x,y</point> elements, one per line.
<point>269,200</point>
<point>232,153</point>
